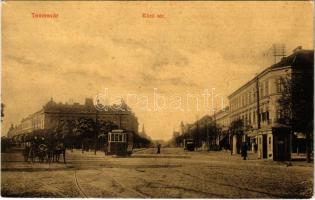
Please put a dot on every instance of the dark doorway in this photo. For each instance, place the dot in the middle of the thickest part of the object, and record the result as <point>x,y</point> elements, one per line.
<point>264,146</point>
<point>281,151</point>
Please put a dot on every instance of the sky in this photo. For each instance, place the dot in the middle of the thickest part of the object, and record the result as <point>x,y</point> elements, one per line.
<point>159,65</point>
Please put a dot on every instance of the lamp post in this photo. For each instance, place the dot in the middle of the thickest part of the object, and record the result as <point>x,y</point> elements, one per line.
<point>96,131</point>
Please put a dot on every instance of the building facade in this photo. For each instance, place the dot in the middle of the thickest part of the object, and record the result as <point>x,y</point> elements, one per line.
<point>52,114</point>
<point>222,120</point>
<point>256,104</point>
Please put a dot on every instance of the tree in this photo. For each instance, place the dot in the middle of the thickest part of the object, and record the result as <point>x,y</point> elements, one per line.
<point>106,126</point>
<point>237,128</point>
<point>85,131</point>
<point>2,111</point>
<point>297,103</point>
<point>141,142</point>
<point>67,129</point>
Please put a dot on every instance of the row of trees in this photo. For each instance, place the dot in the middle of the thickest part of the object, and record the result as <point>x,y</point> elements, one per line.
<point>84,133</point>
<point>208,135</point>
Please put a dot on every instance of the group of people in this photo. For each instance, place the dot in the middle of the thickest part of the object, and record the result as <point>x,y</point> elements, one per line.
<point>44,149</point>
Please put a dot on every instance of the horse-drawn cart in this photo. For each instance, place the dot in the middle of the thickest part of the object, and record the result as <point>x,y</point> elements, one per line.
<point>43,150</point>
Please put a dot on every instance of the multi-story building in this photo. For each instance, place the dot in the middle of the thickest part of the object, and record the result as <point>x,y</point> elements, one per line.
<point>256,104</point>
<point>222,120</point>
<point>52,114</point>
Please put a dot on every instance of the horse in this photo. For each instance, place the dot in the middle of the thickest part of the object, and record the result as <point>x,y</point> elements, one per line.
<point>58,150</point>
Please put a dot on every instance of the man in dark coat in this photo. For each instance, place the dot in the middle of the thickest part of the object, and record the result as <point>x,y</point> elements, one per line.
<point>158,149</point>
<point>244,150</point>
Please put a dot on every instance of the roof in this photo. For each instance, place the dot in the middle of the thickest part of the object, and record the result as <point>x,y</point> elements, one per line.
<point>297,59</point>
<point>301,57</point>
<point>117,131</point>
<point>52,106</point>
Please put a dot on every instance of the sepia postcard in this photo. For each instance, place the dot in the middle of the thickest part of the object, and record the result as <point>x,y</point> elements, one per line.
<point>157,99</point>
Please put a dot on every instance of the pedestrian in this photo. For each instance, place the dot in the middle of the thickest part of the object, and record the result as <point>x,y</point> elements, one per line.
<point>244,150</point>
<point>158,149</point>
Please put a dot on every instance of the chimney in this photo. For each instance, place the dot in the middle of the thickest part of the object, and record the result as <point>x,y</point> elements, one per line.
<point>89,102</point>
<point>298,48</point>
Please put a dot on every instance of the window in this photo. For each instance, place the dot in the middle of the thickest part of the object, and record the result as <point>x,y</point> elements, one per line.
<point>279,85</point>
<point>242,100</point>
<point>266,88</point>
<point>267,116</point>
<point>245,99</point>
<point>263,117</point>
<point>261,92</point>
<point>279,114</point>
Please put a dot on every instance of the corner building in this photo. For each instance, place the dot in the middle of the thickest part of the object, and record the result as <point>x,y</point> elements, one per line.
<point>256,104</point>
<point>52,114</point>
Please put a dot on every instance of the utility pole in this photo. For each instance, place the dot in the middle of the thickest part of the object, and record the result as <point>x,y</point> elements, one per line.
<point>96,131</point>
<point>197,130</point>
<point>257,101</point>
<point>208,142</point>
<point>215,127</point>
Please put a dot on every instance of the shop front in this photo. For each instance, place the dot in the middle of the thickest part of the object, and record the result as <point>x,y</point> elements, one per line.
<point>273,144</point>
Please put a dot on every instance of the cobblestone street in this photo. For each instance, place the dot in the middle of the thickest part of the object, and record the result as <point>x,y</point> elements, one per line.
<point>173,173</point>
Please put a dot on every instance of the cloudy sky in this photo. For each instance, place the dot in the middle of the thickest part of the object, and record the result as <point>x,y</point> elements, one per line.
<point>92,46</point>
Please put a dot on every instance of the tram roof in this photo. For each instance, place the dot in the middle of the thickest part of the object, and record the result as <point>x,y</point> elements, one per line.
<point>117,131</point>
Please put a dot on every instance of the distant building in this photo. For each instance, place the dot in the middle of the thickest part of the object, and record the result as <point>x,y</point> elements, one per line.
<point>143,133</point>
<point>222,120</point>
<point>52,114</point>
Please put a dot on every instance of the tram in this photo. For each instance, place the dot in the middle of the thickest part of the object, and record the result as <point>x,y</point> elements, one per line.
<point>189,144</point>
<point>119,143</point>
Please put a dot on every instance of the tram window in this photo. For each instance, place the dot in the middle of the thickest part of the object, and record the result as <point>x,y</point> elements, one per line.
<point>119,137</point>
<point>116,137</point>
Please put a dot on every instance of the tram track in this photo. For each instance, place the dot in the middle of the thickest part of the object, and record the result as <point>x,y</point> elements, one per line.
<point>228,185</point>
<point>114,181</point>
<point>141,195</point>
<point>78,185</point>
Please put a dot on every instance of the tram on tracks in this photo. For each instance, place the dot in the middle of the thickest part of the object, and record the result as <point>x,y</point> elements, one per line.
<point>119,142</point>
<point>189,144</point>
